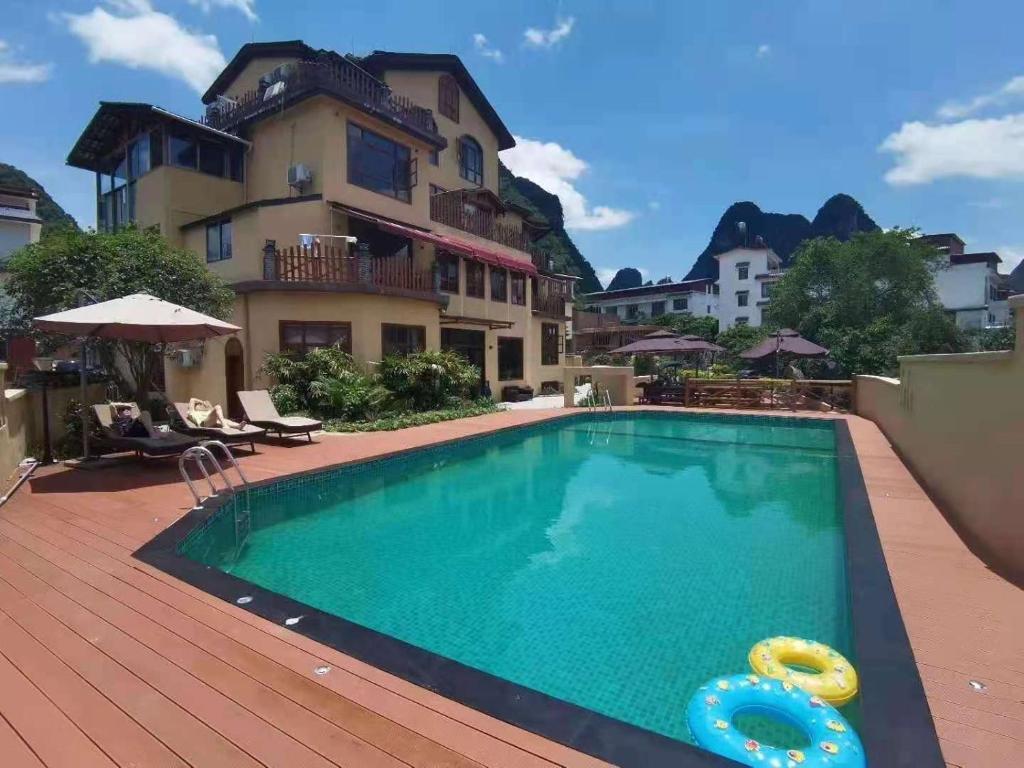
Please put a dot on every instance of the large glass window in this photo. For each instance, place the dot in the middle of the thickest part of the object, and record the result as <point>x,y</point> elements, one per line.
<point>519,288</point>
<point>299,338</point>
<point>499,284</point>
<point>548,344</point>
<point>212,158</point>
<point>510,358</point>
<point>378,164</point>
<point>471,160</point>
<point>182,150</point>
<point>397,340</point>
<point>448,268</point>
<point>475,279</point>
<point>218,241</point>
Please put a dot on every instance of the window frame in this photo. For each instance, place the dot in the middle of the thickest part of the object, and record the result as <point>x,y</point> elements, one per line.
<point>220,227</point>
<point>472,175</point>
<point>397,149</point>
<point>684,300</point>
<point>415,348</point>
<point>474,289</point>
<point>449,280</point>
<point>632,311</point>
<point>517,288</point>
<point>658,308</point>
<point>743,270</point>
<point>448,97</point>
<point>504,341</point>
<point>305,347</point>
<point>766,290</point>
<point>502,274</point>
<point>744,320</point>
<point>549,342</point>
<point>742,298</point>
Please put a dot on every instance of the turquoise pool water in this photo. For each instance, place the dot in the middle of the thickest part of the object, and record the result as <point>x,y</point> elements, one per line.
<point>614,562</point>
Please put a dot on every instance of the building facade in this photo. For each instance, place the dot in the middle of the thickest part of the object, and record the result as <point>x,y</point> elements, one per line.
<point>969,285</point>
<point>646,302</point>
<point>349,201</point>
<point>19,222</point>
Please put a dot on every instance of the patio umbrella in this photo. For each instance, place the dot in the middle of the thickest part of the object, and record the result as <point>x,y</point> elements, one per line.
<point>139,317</point>
<point>786,341</point>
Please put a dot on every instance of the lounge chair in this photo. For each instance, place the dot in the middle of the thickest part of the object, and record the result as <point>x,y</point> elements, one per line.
<point>163,444</point>
<point>244,433</point>
<point>260,410</point>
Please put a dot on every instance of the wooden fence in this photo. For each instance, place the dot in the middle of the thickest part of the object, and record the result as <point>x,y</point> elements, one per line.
<point>828,395</point>
<point>326,264</point>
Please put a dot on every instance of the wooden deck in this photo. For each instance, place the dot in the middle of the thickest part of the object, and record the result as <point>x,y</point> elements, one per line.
<point>105,661</point>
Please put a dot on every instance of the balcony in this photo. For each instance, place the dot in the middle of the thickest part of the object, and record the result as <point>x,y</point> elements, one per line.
<point>550,297</point>
<point>334,76</point>
<point>454,209</point>
<point>319,267</point>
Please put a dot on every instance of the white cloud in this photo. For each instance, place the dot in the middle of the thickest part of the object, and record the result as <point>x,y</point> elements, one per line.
<point>985,149</point>
<point>763,50</point>
<point>484,48</point>
<point>21,72</point>
<point>548,38</point>
<point>555,169</point>
<point>140,37</point>
<point>245,7</point>
<point>1012,255</point>
<point>1010,90</point>
<point>991,203</point>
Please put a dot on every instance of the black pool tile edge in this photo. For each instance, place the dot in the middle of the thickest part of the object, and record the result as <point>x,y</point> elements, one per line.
<point>897,729</point>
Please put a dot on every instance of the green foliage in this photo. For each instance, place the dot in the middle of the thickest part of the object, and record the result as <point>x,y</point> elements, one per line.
<point>54,217</point>
<point>868,300</point>
<point>992,339</point>
<point>324,381</point>
<point>644,365</point>
<point>429,380</point>
<point>704,326</point>
<point>403,420</point>
<point>45,277</point>
<point>740,338</point>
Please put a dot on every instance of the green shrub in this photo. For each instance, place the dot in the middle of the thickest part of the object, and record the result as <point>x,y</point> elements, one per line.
<point>326,382</point>
<point>403,420</point>
<point>429,380</point>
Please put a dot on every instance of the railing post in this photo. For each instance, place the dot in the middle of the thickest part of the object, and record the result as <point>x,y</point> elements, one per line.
<point>270,260</point>
<point>364,267</point>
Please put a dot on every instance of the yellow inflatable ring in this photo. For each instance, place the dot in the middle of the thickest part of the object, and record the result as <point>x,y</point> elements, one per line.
<point>836,681</point>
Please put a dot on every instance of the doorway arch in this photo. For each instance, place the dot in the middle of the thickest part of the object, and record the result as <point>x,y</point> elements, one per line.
<point>234,376</point>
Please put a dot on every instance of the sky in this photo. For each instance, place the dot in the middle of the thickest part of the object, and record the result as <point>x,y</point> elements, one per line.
<point>648,118</point>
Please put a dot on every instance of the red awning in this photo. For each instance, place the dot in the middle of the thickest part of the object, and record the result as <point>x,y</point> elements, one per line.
<point>472,250</point>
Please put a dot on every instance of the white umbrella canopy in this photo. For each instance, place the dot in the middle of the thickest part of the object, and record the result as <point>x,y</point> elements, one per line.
<point>138,317</point>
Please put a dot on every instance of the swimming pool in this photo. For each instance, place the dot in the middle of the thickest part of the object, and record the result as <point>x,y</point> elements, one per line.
<point>612,562</point>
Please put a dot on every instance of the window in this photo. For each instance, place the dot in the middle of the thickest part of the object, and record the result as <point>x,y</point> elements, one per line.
<point>742,321</point>
<point>657,308</point>
<point>139,159</point>
<point>218,241</point>
<point>743,270</point>
<point>766,290</point>
<point>475,279</point>
<point>182,150</point>
<point>212,158</point>
<point>448,97</point>
<point>510,359</point>
<point>548,344</point>
<point>742,298</point>
<point>519,289</point>
<point>434,157</point>
<point>396,340</point>
<point>680,305</point>
<point>632,311</point>
<point>448,268</point>
<point>499,284</point>
<point>379,164</point>
<point>471,160</point>
<point>300,338</point>
<point>611,310</point>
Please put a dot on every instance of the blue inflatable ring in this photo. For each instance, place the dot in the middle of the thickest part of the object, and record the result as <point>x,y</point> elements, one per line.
<point>712,709</point>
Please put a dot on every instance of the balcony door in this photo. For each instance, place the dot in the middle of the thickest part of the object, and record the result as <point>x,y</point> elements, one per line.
<point>470,344</point>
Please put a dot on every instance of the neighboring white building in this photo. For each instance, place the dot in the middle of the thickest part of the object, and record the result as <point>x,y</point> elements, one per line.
<point>969,284</point>
<point>19,222</point>
<point>746,277</point>
<point>695,297</point>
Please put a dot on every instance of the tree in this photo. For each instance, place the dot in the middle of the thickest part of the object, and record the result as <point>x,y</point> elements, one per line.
<point>869,299</point>
<point>738,339</point>
<point>46,276</point>
<point>704,326</point>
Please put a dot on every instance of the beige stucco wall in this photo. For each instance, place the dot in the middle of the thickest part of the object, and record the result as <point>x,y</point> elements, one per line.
<point>958,422</point>
<point>617,380</point>
<point>169,197</point>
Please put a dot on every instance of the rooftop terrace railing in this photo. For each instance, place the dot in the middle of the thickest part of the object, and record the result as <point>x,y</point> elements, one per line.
<point>329,265</point>
<point>336,76</point>
<point>454,209</point>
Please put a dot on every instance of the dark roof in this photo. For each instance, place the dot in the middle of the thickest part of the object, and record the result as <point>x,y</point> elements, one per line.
<point>18,191</point>
<point>378,62</point>
<point>250,51</point>
<point>986,257</point>
<point>107,129</point>
<point>942,237</point>
<point>646,290</point>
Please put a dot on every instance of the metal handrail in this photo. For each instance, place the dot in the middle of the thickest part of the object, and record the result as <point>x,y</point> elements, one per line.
<point>607,401</point>
<point>199,454</point>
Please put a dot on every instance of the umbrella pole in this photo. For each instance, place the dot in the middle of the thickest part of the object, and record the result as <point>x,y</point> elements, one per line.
<point>83,386</point>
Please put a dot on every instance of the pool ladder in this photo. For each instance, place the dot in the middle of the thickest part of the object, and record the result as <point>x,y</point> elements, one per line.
<point>201,455</point>
<point>603,400</point>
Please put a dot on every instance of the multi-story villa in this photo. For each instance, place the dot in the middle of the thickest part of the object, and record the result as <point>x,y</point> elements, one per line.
<point>745,280</point>
<point>969,284</point>
<point>19,222</point>
<point>694,297</point>
<point>349,201</point>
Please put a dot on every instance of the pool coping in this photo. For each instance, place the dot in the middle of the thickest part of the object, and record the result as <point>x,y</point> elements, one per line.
<point>897,728</point>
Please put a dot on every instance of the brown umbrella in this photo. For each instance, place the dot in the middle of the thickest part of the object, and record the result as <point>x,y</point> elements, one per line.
<point>786,342</point>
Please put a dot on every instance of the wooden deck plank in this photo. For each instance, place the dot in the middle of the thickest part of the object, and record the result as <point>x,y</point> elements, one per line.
<point>15,751</point>
<point>241,707</point>
<point>189,737</point>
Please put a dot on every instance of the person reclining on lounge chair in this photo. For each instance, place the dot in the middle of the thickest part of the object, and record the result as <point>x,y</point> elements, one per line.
<point>202,413</point>
<point>185,417</point>
<point>127,424</point>
<point>115,419</point>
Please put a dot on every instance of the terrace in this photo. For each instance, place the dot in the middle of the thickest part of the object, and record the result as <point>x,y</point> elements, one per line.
<point>108,661</point>
<point>455,209</point>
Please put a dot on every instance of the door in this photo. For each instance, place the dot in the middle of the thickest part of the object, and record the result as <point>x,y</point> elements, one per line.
<point>234,376</point>
<point>469,344</point>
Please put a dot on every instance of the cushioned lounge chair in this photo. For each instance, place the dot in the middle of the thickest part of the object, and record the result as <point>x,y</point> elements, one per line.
<point>166,444</point>
<point>260,410</point>
<point>244,433</point>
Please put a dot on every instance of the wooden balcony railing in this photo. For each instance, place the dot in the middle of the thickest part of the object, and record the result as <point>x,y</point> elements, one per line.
<point>329,265</point>
<point>770,394</point>
<point>334,75</point>
<point>551,296</point>
<point>454,210</point>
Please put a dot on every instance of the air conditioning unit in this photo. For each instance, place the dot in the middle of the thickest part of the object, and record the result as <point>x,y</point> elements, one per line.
<point>191,357</point>
<point>275,90</point>
<point>299,175</point>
